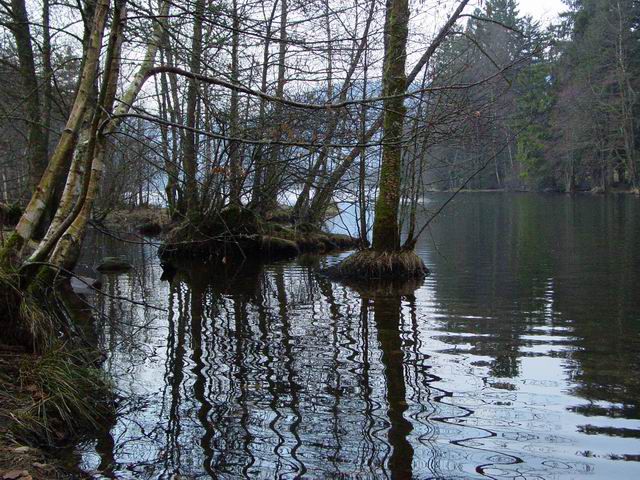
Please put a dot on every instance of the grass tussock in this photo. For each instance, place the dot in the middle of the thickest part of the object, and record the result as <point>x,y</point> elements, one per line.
<point>371,265</point>
<point>50,398</point>
<point>27,316</point>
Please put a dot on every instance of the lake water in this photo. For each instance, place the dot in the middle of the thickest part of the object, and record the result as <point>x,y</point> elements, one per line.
<point>518,357</point>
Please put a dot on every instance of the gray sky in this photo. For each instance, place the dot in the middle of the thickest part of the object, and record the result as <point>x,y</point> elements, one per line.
<point>544,10</point>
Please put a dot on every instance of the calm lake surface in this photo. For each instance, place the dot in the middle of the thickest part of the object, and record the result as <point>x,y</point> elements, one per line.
<point>519,357</point>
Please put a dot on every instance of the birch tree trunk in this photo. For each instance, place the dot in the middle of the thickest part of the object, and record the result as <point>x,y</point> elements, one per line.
<point>67,235</point>
<point>43,193</point>
<point>67,249</point>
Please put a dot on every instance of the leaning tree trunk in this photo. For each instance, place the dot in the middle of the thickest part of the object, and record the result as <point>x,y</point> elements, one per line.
<point>65,241</point>
<point>235,152</point>
<point>43,194</point>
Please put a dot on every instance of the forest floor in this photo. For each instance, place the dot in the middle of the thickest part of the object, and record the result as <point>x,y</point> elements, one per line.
<point>20,459</point>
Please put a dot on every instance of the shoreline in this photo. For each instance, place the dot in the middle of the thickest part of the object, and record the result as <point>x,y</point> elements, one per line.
<point>540,192</point>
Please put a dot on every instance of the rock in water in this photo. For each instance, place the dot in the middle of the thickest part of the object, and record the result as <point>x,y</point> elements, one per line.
<point>84,285</point>
<point>114,265</point>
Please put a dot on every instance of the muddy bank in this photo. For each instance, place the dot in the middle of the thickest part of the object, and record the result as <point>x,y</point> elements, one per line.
<point>34,441</point>
<point>53,392</point>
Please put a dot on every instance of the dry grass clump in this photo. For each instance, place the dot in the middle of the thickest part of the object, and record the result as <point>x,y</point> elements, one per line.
<point>49,389</point>
<point>47,399</point>
<point>23,319</point>
<point>372,265</point>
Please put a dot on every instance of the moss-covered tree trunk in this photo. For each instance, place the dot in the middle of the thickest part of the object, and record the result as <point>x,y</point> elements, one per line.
<point>386,235</point>
<point>323,196</point>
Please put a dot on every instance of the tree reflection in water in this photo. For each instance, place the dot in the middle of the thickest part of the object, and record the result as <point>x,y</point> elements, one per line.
<point>500,365</point>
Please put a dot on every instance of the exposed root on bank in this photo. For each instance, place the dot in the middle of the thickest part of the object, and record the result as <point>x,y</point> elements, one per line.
<point>367,265</point>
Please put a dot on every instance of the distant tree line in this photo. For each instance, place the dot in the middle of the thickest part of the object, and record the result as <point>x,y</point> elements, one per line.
<point>569,116</point>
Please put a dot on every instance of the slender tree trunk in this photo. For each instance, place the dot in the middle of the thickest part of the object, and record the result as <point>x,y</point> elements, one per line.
<point>234,146</point>
<point>362,180</point>
<point>190,152</point>
<point>169,145</point>
<point>272,171</point>
<point>178,133</point>
<point>47,89</point>
<point>37,141</point>
<point>258,176</point>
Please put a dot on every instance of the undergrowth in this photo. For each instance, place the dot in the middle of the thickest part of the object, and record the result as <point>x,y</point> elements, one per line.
<point>51,385</point>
